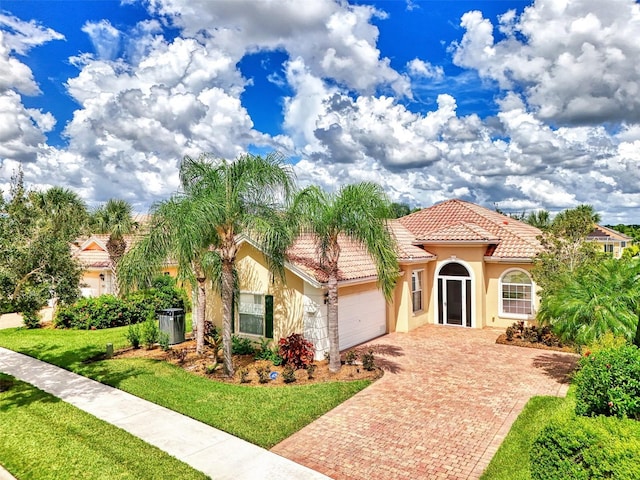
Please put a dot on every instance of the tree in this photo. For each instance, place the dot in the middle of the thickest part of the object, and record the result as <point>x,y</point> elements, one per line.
<point>179,230</point>
<point>605,297</point>
<point>202,226</point>
<point>539,219</point>
<point>398,210</point>
<point>35,258</point>
<point>115,218</point>
<point>565,248</point>
<point>358,212</point>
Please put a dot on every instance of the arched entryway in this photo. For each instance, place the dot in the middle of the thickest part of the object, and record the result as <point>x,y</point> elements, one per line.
<point>454,295</point>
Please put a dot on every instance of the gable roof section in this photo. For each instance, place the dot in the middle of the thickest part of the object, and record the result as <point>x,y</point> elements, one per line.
<point>460,221</point>
<point>604,234</point>
<point>92,251</point>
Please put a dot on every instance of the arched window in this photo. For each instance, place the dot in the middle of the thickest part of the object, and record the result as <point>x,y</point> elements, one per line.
<point>516,294</point>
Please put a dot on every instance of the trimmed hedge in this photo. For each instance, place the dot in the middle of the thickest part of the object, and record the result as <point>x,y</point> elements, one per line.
<point>587,448</point>
<point>608,382</point>
<point>107,311</point>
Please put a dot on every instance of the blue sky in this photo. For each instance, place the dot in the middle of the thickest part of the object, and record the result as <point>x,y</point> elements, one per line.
<point>514,104</point>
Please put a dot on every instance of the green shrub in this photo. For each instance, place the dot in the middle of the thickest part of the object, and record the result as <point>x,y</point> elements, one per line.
<point>587,448</point>
<point>608,382</point>
<point>265,352</point>
<point>150,333</point>
<point>163,341</point>
<point>31,319</point>
<point>241,346</point>
<point>368,361</point>
<point>350,357</point>
<point>133,335</point>
<point>105,311</point>
<point>289,374</point>
<point>295,350</point>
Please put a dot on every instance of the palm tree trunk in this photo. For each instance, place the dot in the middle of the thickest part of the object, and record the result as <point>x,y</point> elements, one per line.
<point>195,310</point>
<point>227,305</point>
<point>200,312</point>
<point>332,323</point>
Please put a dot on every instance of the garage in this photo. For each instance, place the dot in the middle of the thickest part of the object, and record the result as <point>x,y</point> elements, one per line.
<point>361,317</point>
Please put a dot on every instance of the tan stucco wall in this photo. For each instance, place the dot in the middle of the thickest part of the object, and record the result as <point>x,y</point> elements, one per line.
<point>401,317</point>
<point>254,277</point>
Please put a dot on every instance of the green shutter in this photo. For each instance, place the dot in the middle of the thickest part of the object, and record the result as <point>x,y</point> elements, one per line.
<point>268,316</point>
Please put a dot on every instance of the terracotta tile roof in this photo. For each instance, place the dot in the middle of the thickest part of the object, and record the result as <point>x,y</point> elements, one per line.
<point>467,221</point>
<point>354,263</point>
<point>407,251</point>
<point>460,232</point>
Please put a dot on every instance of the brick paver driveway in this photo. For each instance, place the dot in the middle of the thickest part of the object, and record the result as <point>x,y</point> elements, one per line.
<point>447,399</point>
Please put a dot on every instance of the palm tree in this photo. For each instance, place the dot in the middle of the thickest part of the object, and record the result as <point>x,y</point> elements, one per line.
<point>202,226</point>
<point>115,218</point>
<point>178,230</point>
<point>539,219</point>
<point>358,212</point>
<point>62,212</point>
<point>605,297</point>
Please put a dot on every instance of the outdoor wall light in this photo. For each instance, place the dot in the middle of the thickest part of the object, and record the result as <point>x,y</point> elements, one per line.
<point>102,277</point>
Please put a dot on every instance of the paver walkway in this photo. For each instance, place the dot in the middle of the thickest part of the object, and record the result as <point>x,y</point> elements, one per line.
<point>216,453</point>
<point>446,401</point>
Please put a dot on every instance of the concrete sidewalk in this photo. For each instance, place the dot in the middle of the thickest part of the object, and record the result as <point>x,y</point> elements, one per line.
<point>216,453</point>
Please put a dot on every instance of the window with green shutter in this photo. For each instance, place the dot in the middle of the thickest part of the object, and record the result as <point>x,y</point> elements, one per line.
<point>255,314</point>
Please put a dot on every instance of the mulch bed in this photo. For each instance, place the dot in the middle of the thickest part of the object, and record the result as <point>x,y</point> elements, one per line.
<point>206,365</point>
<point>502,339</point>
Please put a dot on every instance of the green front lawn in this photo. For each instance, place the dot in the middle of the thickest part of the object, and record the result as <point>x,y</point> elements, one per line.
<point>511,461</point>
<point>261,415</point>
<point>44,438</point>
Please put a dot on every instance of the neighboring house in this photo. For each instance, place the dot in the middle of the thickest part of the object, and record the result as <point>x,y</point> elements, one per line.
<point>612,242</point>
<point>460,264</point>
<point>98,277</point>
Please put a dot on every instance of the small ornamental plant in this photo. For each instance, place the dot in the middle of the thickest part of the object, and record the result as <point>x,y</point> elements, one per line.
<point>296,351</point>
<point>368,361</point>
<point>350,357</point>
<point>289,374</point>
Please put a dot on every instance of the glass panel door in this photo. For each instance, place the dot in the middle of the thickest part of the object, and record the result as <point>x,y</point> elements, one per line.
<point>454,302</point>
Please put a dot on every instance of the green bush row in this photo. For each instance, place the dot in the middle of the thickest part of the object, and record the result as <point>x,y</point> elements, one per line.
<point>587,448</point>
<point>608,382</point>
<point>108,311</point>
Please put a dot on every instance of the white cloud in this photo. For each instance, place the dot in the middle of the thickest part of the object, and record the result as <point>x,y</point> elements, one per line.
<point>104,37</point>
<point>575,60</point>
<point>21,36</point>
<point>420,68</point>
<point>337,40</point>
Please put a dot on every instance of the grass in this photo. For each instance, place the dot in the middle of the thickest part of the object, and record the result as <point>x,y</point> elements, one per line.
<point>44,438</point>
<point>261,415</point>
<point>511,461</point>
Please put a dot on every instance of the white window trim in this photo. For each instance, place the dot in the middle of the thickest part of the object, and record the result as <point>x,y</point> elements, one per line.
<point>237,319</point>
<point>421,277</point>
<point>516,316</point>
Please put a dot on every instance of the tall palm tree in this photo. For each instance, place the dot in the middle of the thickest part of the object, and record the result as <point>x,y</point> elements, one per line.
<point>116,219</point>
<point>179,231</point>
<point>604,298</point>
<point>202,226</point>
<point>358,212</point>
